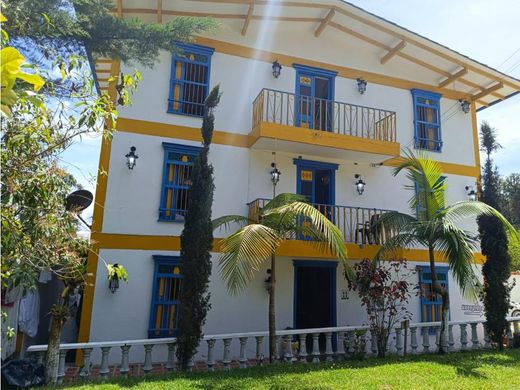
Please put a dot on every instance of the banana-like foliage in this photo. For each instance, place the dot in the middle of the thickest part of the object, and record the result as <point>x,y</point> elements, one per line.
<point>436,224</point>
<point>285,217</point>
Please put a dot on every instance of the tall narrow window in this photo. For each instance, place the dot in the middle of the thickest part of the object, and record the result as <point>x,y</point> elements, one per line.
<point>178,167</point>
<point>189,81</point>
<point>420,195</point>
<point>167,284</point>
<point>427,120</point>
<point>431,302</point>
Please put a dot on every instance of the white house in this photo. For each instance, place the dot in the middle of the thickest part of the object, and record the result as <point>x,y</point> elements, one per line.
<point>353,91</point>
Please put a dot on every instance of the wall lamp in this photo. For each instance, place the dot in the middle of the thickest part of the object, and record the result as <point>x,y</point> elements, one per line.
<point>277,69</point>
<point>360,184</point>
<point>472,194</point>
<point>361,85</point>
<point>275,174</point>
<point>465,105</point>
<point>131,158</point>
<point>113,282</point>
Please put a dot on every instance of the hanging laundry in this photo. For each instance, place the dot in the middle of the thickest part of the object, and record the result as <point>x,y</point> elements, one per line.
<point>29,314</point>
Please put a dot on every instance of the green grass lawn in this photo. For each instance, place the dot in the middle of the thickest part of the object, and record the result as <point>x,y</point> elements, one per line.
<point>466,370</point>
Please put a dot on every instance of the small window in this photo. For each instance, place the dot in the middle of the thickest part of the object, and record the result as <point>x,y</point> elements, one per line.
<point>167,284</point>
<point>176,184</point>
<point>431,303</point>
<point>427,120</point>
<point>421,199</point>
<point>189,80</point>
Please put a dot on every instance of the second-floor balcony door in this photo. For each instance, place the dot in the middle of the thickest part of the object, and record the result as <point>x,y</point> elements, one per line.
<point>314,105</point>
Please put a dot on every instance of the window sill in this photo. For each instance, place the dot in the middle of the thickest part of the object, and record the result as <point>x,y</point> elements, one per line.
<point>184,114</point>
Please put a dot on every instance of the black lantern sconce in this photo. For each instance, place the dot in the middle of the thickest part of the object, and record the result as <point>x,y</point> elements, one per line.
<point>472,194</point>
<point>275,174</point>
<point>465,105</point>
<point>360,184</point>
<point>267,280</point>
<point>277,69</point>
<point>131,158</point>
<point>113,282</point>
<point>361,85</point>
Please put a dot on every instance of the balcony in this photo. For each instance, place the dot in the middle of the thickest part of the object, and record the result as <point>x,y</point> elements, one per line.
<point>307,125</point>
<point>355,223</point>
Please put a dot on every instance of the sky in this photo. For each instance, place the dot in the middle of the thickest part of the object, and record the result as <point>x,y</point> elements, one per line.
<point>487,31</point>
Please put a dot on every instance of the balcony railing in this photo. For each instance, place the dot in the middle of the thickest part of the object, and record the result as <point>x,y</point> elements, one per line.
<point>357,224</point>
<point>284,108</point>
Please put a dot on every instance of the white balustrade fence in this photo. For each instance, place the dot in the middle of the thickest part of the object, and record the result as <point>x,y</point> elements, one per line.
<point>298,345</point>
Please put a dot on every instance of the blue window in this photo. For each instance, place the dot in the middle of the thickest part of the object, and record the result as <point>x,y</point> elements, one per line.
<point>189,80</point>
<point>420,195</point>
<point>167,284</point>
<point>431,303</point>
<point>177,171</point>
<point>427,120</point>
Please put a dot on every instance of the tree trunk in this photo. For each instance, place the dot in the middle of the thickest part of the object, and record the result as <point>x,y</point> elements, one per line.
<point>53,349</point>
<point>443,292</point>
<point>272,314</point>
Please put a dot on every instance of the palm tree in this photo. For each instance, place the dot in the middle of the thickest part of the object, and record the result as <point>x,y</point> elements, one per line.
<point>285,217</point>
<point>435,227</point>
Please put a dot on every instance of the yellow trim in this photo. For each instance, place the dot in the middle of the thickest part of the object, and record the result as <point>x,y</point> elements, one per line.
<point>350,73</point>
<point>289,248</point>
<point>323,138</point>
<point>97,220</point>
<point>182,132</point>
<point>454,169</point>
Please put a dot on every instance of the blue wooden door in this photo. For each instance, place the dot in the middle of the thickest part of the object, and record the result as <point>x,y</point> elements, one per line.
<point>305,91</point>
<point>431,303</point>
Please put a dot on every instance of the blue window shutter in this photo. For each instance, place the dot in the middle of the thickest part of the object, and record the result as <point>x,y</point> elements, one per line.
<point>427,120</point>
<point>189,79</point>
<point>164,309</point>
<point>176,182</point>
<point>419,193</point>
<point>431,304</point>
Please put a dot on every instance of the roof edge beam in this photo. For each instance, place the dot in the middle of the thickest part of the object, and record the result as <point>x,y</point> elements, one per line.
<point>400,46</point>
<point>453,77</point>
<point>487,91</point>
<point>324,23</point>
<point>248,17</point>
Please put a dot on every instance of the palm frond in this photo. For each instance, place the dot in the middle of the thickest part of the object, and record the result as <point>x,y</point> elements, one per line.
<point>457,247</point>
<point>283,199</point>
<point>397,242</point>
<point>300,211</point>
<point>244,252</point>
<point>227,220</point>
<point>473,209</point>
<point>395,221</point>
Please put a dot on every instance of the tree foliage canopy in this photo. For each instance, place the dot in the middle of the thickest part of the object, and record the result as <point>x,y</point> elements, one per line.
<point>70,26</point>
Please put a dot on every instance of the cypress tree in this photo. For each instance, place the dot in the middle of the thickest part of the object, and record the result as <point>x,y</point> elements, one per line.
<point>196,244</point>
<point>494,245</point>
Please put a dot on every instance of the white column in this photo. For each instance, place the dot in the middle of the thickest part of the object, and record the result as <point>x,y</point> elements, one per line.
<point>438,337</point>
<point>340,349</point>
<point>103,370</point>
<point>474,336</point>
<point>426,339</point>
<point>413,339</point>
<point>302,353</point>
<point>373,343</point>
<point>61,366</point>
<point>315,348</point>
<point>463,337</point>
<point>259,354</point>
<point>329,353</point>
<point>124,360</point>
<point>451,340</point>
<point>170,362</point>
<point>278,354</point>
<point>243,358</point>
<point>399,340</point>
<point>85,372</point>
<point>211,361</point>
<point>147,366</point>
<point>226,360</point>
